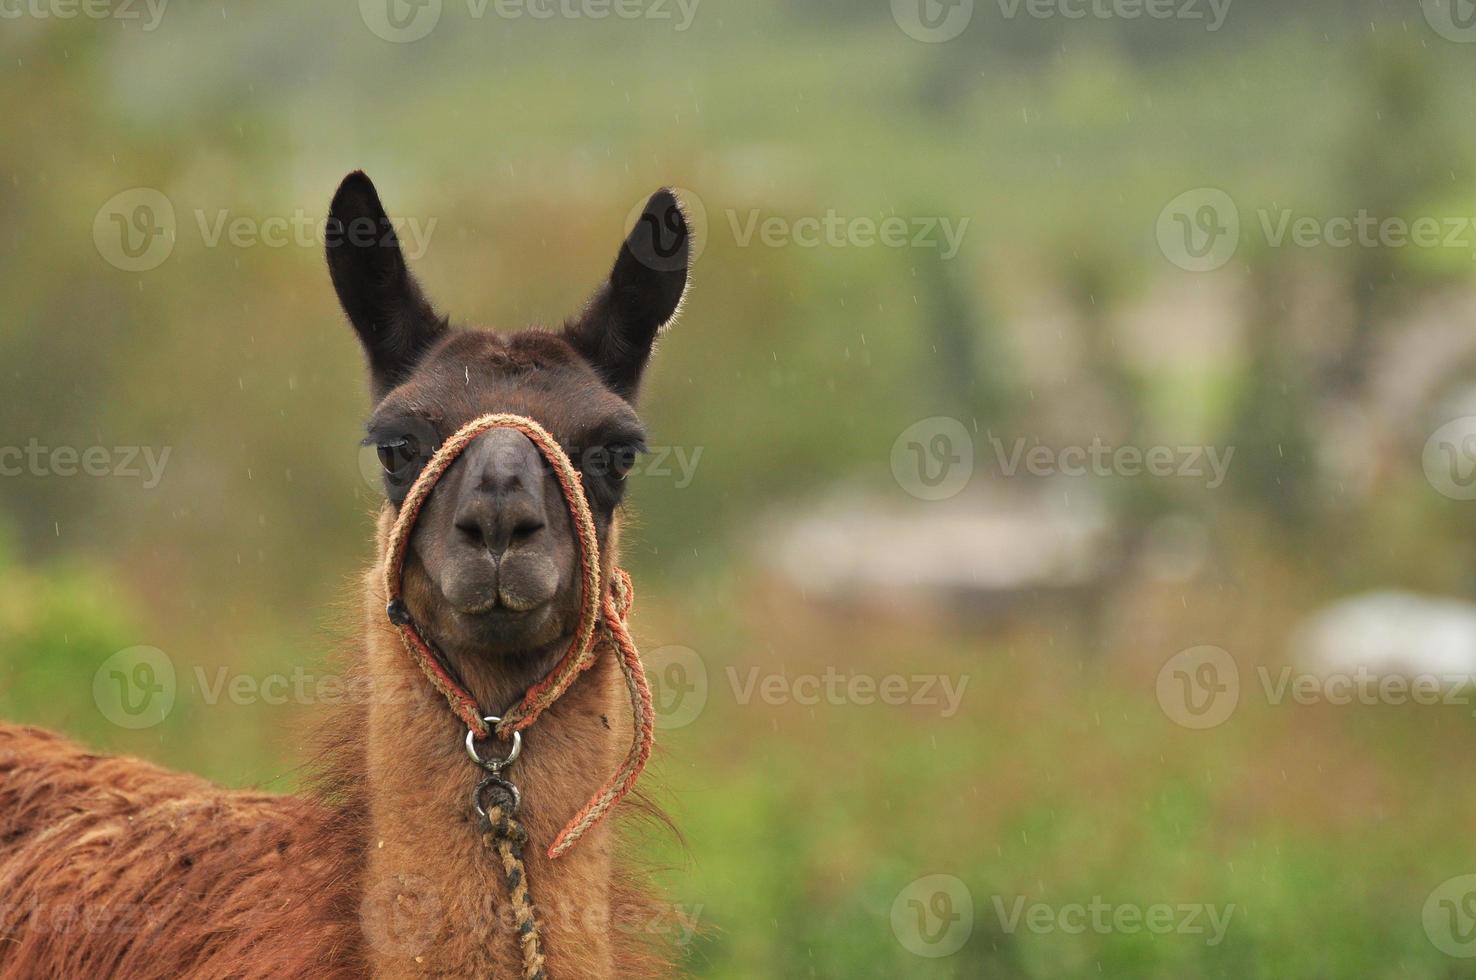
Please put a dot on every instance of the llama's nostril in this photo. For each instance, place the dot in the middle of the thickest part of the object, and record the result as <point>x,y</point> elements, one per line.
<point>496,529</point>
<point>525,530</point>
<point>471,530</point>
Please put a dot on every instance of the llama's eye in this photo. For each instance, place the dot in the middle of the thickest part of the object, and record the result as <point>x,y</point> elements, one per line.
<point>622,459</point>
<point>612,462</point>
<point>397,457</point>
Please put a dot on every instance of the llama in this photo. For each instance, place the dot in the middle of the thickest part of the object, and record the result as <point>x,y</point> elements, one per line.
<point>115,867</point>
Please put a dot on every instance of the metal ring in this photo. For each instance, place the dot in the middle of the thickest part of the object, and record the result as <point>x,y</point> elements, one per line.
<point>493,765</point>
<point>481,788</point>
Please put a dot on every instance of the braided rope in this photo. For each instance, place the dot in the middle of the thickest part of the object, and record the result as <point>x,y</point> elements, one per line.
<point>505,835</point>
<point>616,607</point>
<point>599,612</point>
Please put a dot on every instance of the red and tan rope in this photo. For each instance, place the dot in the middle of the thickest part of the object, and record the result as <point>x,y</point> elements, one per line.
<point>601,624</point>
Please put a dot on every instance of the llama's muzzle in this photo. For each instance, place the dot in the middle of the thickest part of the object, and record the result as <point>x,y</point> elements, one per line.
<point>601,625</point>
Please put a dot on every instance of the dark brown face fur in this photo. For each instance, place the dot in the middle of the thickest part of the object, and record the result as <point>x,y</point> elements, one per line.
<point>492,568</point>
<point>493,559</point>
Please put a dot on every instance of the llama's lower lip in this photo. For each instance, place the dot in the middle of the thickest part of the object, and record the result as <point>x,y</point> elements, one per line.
<point>495,610</point>
<point>501,630</point>
<point>501,616</point>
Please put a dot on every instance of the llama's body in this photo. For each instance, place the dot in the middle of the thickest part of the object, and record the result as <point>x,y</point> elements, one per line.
<point>115,867</point>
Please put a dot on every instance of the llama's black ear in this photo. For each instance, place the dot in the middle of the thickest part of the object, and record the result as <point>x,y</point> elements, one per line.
<point>394,321</point>
<point>618,329</point>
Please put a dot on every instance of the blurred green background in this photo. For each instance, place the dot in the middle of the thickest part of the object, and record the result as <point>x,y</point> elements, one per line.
<point>802,546</point>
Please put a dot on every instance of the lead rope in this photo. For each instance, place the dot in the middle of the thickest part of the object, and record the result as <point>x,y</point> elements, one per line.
<point>602,623</point>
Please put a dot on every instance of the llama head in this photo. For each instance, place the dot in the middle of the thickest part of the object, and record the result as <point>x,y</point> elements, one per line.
<point>492,566</point>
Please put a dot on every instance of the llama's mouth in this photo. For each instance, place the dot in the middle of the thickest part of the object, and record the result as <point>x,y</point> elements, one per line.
<point>499,630</point>
<point>505,601</point>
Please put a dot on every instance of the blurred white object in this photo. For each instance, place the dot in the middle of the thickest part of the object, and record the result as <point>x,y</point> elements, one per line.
<point>1395,633</point>
<point>970,546</point>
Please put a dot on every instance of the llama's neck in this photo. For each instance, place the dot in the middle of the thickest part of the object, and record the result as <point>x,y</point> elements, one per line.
<point>435,900</point>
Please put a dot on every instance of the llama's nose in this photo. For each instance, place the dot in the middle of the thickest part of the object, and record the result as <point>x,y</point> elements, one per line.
<point>501,502</point>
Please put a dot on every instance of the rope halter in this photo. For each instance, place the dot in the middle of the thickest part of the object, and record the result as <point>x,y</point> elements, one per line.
<point>601,625</point>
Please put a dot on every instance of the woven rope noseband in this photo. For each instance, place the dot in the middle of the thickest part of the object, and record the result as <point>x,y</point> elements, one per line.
<point>601,624</point>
